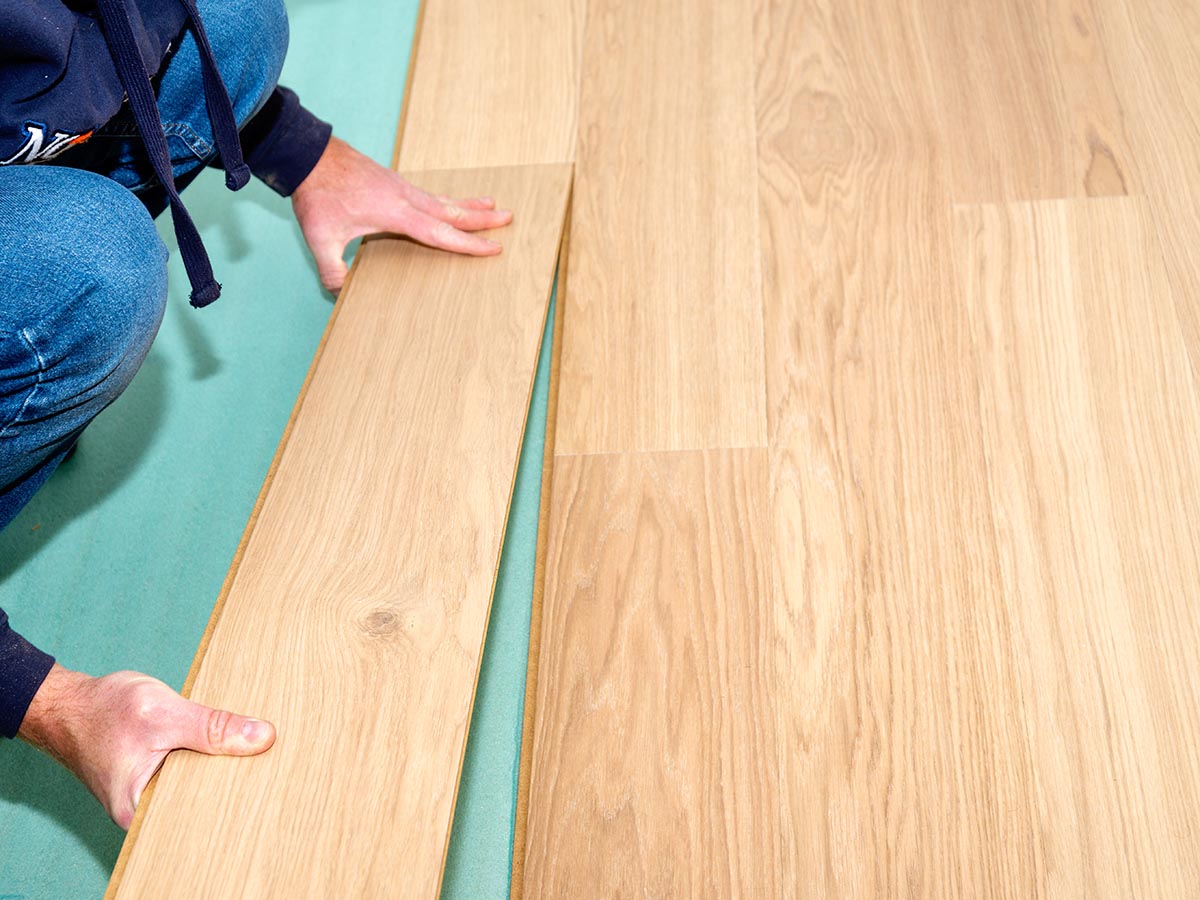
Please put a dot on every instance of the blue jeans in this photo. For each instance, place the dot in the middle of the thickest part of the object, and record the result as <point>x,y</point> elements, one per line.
<point>83,278</point>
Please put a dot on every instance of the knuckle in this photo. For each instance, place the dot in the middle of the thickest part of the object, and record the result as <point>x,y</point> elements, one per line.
<point>145,701</point>
<point>217,725</point>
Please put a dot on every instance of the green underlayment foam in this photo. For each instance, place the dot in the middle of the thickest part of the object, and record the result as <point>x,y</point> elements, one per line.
<point>117,561</point>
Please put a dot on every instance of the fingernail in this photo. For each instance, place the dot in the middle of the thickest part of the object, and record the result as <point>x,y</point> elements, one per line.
<point>493,243</point>
<point>255,731</point>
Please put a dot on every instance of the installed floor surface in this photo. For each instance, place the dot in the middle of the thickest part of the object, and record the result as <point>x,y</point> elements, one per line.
<point>116,563</point>
<point>873,566</point>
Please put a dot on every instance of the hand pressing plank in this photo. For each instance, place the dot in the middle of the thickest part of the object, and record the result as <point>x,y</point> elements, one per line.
<point>349,195</point>
<point>114,732</point>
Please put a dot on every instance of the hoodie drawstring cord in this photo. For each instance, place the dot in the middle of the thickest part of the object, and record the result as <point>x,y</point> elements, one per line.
<point>132,70</point>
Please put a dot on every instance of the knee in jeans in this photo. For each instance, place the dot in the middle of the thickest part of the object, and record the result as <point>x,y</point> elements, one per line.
<point>105,330</point>
<point>82,292</point>
<point>249,39</point>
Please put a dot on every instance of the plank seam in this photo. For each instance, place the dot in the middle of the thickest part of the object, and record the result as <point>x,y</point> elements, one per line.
<point>500,546</point>
<point>533,662</point>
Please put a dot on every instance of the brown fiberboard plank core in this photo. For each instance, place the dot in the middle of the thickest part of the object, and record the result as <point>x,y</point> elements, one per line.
<point>356,618</point>
<point>537,604</point>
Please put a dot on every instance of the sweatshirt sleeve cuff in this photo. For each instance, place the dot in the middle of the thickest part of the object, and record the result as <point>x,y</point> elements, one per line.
<point>23,668</point>
<point>283,142</point>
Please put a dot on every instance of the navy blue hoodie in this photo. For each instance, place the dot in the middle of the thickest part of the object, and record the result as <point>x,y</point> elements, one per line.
<point>66,68</point>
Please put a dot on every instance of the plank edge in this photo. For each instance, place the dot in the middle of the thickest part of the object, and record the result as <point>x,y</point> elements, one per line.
<point>564,218</point>
<point>525,765</point>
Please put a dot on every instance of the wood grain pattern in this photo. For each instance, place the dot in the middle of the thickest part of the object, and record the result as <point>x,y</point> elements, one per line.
<point>876,473</point>
<point>967,621</point>
<point>665,347</point>
<point>1027,106</point>
<point>1089,413</point>
<point>1151,48</point>
<point>875,466</point>
<point>941,636</point>
<point>357,615</point>
<point>653,761</point>
<point>494,84</point>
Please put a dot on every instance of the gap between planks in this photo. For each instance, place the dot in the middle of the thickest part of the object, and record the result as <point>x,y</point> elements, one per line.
<point>521,823</point>
<point>551,406</point>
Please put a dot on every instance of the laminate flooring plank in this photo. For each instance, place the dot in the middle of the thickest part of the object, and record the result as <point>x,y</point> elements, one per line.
<point>494,83</point>
<point>1156,66</point>
<point>849,170</point>
<point>901,766</point>
<point>967,699</point>
<point>1027,103</point>
<point>654,772</point>
<point>663,346</point>
<point>356,618</point>
<point>1089,412</point>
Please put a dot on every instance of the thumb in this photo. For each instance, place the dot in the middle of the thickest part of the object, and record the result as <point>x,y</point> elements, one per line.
<point>331,267</point>
<point>222,733</point>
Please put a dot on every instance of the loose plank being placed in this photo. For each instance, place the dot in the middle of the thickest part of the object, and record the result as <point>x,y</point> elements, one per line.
<point>356,618</point>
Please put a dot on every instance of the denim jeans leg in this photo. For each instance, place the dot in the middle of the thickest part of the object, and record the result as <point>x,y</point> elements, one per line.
<point>82,270</point>
<point>83,286</point>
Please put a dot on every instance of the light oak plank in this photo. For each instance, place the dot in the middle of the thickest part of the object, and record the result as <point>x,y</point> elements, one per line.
<point>357,615</point>
<point>494,84</point>
<point>969,699</point>
<point>1089,414</point>
<point>663,349</point>
<point>653,758</point>
<point>1156,69</point>
<point>1027,105</point>
<point>860,325</point>
<point>897,778</point>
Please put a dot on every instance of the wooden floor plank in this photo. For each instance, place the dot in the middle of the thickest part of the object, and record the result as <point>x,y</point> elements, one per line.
<point>663,350</point>
<point>976,546</point>
<point>357,615</point>
<point>896,778</point>
<point>494,84</point>
<point>1027,103</point>
<point>653,759</point>
<point>1152,48</point>
<point>1089,412</point>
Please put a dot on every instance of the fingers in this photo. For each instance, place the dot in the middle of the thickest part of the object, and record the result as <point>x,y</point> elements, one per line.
<point>218,732</point>
<point>469,203</point>
<point>462,216</point>
<point>441,234</point>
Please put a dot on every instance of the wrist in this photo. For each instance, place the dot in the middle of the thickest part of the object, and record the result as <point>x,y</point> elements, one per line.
<point>328,166</point>
<point>49,722</point>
